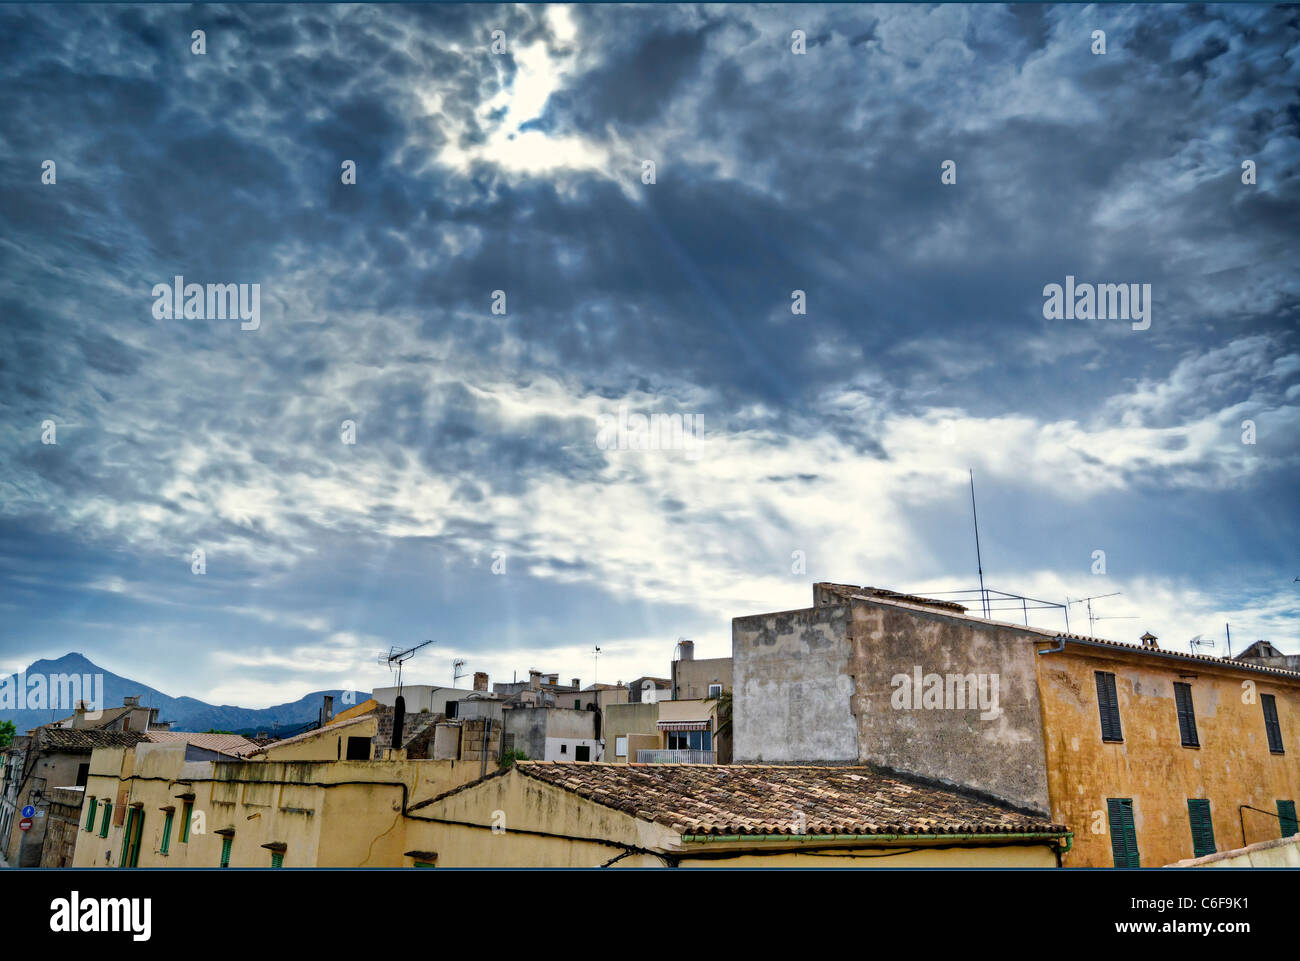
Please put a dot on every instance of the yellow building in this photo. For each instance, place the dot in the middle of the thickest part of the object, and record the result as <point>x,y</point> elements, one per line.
<point>1156,756</point>
<point>149,807</point>
<point>549,814</point>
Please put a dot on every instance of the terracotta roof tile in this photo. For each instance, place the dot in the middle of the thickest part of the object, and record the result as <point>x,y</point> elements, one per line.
<point>73,741</point>
<point>233,744</point>
<point>777,799</point>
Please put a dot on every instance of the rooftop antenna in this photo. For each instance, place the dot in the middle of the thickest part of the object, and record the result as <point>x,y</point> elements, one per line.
<point>398,658</point>
<point>595,671</point>
<point>456,673</point>
<point>1200,641</point>
<point>979,561</point>
<point>1229,632</point>
<point>1092,618</point>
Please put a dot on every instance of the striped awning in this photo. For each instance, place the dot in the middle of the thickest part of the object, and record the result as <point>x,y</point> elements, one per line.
<point>685,725</point>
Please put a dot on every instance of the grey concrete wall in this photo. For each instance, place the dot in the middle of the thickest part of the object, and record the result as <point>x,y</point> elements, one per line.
<point>568,723</point>
<point>1003,755</point>
<point>791,687</point>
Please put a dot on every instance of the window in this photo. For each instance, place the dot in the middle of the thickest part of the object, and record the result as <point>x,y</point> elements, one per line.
<point>358,749</point>
<point>564,749</point>
<point>137,838</point>
<point>582,753</point>
<point>226,843</point>
<point>1186,715</point>
<point>715,690</point>
<point>90,818</point>
<point>1108,704</point>
<point>277,859</point>
<point>451,708</point>
<point>577,704</point>
<point>131,837</point>
<point>1198,812</point>
<point>108,812</point>
<point>1286,814</point>
<point>690,740</point>
<point>83,773</point>
<point>1123,836</point>
<point>620,746</point>
<point>1271,725</point>
<point>186,814</point>
<point>126,723</point>
<point>166,833</point>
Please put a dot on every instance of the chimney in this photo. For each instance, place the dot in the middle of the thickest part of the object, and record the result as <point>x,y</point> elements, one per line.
<point>1149,640</point>
<point>688,651</point>
<point>131,701</point>
<point>577,682</point>
<point>480,681</point>
<point>534,680</point>
<point>327,710</point>
<point>399,721</point>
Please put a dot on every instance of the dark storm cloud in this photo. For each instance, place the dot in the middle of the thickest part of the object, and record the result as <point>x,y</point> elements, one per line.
<point>775,172</point>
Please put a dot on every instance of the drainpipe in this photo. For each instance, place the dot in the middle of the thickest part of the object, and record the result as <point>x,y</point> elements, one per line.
<point>1060,646</point>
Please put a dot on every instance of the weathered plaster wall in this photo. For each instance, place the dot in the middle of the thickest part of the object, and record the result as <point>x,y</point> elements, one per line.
<point>331,814</point>
<point>997,750</point>
<point>791,696</point>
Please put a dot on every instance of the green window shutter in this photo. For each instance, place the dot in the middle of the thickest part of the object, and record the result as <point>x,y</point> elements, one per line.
<point>423,864</point>
<point>167,833</point>
<point>137,838</point>
<point>108,812</point>
<point>1123,835</point>
<point>187,815</point>
<point>1108,705</point>
<point>125,860</point>
<point>1186,715</point>
<point>277,859</point>
<point>90,818</point>
<point>1286,814</point>
<point>226,843</point>
<point>1198,813</point>
<point>1271,725</point>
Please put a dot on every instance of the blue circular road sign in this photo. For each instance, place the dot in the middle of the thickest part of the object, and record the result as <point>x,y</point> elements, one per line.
<point>29,812</point>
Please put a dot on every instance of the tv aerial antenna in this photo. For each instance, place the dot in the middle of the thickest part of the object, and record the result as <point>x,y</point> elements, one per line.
<point>1200,641</point>
<point>1093,618</point>
<point>395,659</point>
<point>456,673</point>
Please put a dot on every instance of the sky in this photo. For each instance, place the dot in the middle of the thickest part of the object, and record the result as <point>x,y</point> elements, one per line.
<point>508,276</point>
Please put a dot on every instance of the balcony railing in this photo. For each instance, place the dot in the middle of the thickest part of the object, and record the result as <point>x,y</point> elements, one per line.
<point>675,756</point>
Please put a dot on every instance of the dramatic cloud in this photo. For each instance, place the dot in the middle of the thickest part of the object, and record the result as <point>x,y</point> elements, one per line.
<point>480,503</point>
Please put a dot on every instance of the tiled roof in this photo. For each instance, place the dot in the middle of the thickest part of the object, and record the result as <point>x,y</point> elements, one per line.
<point>752,799</point>
<point>1180,655</point>
<point>68,740</point>
<point>234,744</point>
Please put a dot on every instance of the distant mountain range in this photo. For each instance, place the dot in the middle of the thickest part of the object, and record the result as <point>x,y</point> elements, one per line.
<point>185,713</point>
